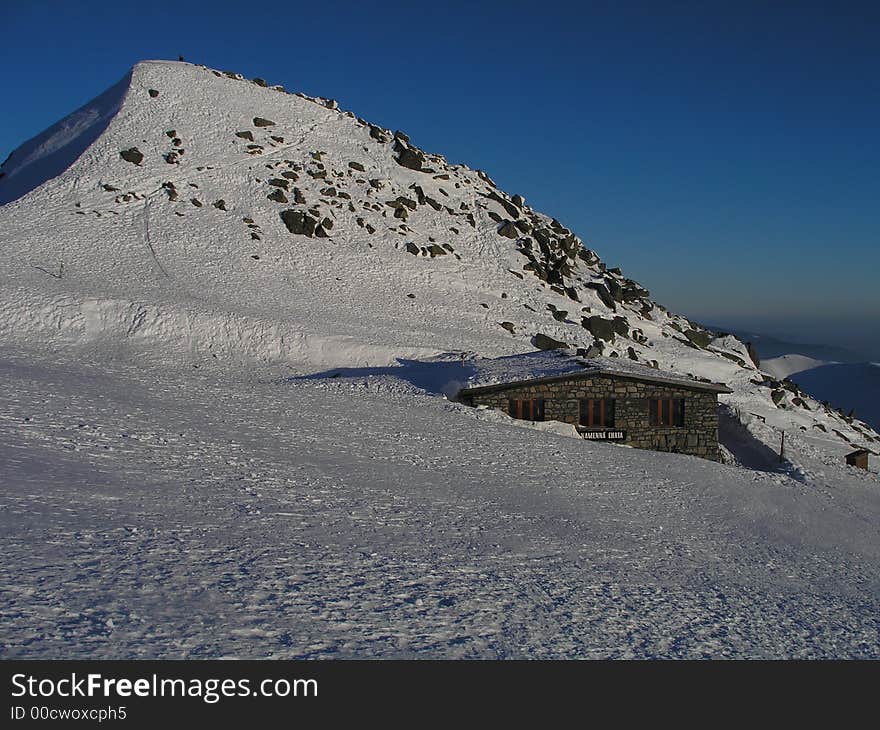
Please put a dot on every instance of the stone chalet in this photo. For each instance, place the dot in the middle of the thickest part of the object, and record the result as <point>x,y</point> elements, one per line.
<point>607,399</point>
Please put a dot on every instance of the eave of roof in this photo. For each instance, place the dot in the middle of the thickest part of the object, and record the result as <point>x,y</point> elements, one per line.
<point>590,372</point>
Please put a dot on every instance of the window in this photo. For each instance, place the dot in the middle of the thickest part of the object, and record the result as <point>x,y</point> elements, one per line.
<point>526,410</point>
<point>597,412</point>
<point>666,411</point>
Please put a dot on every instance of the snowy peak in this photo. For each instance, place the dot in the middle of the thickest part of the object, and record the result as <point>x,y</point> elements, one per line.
<point>192,214</point>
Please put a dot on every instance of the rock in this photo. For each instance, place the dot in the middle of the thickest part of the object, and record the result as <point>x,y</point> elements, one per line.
<point>508,230</point>
<point>276,138</point>
<point>196,202</point>
<point>245,135</point>
<point>485,178</point>
<point>599,327</point>
<point>298,196</point>
<point>603,293</point>
<point>545,342</point>
<point>510,208</point>
<point>277,196</point>
<point>401,136</point>
<point>631,353</point>
<point>411,159</point>
<point>412,248</point>
<point>298,222</point>
<point>132,155</point>
<point>436,250</point>
<point>620,326</point>
<point>356,166</point>
<point>753,354</point>
<point>508,326</point>
<point>290,175</point>
<point>220,204</point>
<point>402,201</point>
<point>260,82</point>
<point>518,201</point>
<point>378,134</point>
<point>700,339</point>
<point>153,93</point>
<point>260,122</point>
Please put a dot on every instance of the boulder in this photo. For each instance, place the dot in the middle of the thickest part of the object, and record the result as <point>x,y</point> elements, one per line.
<point>411,159</point>
<point>603,293</point>
<point>599,327</point>
<point>508,230</point>
<point>699,338</point>
<point>510,208</point>
<point>298,222</point>
<point>545,342</point>
<point>260,122</point>
<point>356,166</point>
<point>753,354</point>
<point>132,155</point>
<point>277,196</point>
<point>378,134</point>
<point>245,135</point>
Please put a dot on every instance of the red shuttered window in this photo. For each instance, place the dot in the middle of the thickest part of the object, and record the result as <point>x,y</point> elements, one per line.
<point>526,410</point>
<point>666,411</point>
<point>597,412</point>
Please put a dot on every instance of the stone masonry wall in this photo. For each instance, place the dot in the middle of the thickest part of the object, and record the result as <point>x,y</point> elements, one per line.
<point>698,436</point>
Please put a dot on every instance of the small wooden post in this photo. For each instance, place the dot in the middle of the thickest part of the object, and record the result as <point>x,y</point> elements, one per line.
<point>782,447</point>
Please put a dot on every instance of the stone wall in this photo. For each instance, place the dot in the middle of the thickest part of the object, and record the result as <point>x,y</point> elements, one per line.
<point>698,436</point>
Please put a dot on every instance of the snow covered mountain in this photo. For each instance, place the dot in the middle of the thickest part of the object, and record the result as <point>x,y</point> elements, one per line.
<point>190,215</point>
<point>226,315</point>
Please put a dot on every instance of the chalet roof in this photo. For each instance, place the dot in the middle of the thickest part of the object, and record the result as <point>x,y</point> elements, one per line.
<point>553,365</point>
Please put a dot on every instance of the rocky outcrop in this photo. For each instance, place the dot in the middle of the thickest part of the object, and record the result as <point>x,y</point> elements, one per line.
<point>299,222</point>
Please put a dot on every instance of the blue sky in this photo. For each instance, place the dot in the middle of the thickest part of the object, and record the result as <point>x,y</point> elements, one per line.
<point>725,154</point>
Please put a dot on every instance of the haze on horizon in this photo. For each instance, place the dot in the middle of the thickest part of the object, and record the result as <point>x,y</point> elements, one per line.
<point>724,156</point>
